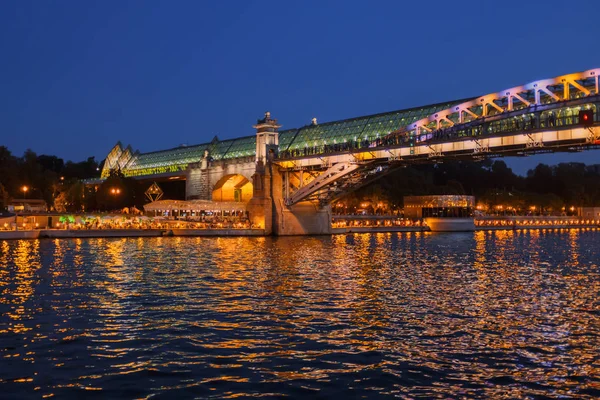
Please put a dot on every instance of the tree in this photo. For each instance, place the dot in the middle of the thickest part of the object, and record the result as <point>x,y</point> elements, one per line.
<point>9,170</point>
<point>51,163</point>
<point>81,170</point>
<point>3,197</point>
<point>71,198</point>
<point>118,191</point>
<point>540,179</point>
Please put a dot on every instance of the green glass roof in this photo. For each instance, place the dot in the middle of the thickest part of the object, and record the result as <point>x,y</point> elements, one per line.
<point>353,129</point>
<point>177,159</point>
<point>357,129</point>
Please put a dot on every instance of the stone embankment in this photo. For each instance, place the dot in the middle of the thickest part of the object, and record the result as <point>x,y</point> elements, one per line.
<point>123,233</point>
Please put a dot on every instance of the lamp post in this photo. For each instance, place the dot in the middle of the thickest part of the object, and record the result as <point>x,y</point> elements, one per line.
<point>114,193</point>
<point>25,189</point>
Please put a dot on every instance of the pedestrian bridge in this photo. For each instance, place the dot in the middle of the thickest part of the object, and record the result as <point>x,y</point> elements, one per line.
<point>319,163</point>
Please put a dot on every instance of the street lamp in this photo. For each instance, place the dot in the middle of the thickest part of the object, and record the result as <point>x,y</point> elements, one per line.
<point>25,189</point>
<point>115,191</point>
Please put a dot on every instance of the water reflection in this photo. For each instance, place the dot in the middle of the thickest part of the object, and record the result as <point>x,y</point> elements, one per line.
<point>486,314</point>
<point>18,282</point>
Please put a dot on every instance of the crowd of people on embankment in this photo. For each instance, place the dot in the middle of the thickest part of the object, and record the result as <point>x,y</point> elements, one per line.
<point>120,222</point>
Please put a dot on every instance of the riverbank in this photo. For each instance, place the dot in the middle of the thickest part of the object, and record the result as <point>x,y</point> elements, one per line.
<point>125,233</point>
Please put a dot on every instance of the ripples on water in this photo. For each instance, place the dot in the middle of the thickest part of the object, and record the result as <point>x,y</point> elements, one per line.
<point>513,314</point>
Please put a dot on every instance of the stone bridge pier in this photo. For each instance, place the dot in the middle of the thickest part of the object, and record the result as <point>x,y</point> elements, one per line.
<point>267,207</point>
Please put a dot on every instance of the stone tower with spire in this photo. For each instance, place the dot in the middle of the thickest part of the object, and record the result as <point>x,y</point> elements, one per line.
<point>260,208</point>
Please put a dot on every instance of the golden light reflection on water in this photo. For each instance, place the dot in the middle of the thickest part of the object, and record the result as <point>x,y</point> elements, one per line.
<point>573,236</point>
<point>466,312</point>
<point>18,283</point>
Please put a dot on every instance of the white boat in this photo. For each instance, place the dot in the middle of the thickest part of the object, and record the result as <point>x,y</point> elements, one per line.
<point>450,224</point>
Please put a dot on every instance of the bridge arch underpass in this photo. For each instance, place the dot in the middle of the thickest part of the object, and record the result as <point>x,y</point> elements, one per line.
<point>232,187</point>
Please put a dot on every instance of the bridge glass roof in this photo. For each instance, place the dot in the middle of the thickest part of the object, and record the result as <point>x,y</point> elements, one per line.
<point>241,147</point>
<point>286,137</point>
<point>218,149</point>
<point>353,129</point>
<point>177,159</point>
<point>357,129</point>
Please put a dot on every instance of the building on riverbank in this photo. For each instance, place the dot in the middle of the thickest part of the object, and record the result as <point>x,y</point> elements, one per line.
<point>27,206</point>
<point>588,212</point>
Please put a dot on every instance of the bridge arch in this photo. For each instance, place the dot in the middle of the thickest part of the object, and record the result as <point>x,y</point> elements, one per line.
<point>232,187</point>
<point>546,91</point>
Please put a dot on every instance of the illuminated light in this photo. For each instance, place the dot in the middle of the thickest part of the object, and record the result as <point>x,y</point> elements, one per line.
<point>586,117</point>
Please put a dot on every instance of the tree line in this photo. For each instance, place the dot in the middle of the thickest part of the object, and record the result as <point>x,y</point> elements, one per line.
<point>61,184</point>
<point>545,189</point>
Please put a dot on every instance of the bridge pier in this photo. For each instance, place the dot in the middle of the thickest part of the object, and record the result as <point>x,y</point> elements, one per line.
<point>303,218</point>
<point>260,206</point>
<point>267,208</point>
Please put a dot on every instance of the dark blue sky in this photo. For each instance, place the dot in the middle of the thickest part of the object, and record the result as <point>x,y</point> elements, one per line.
<point>77,76</point>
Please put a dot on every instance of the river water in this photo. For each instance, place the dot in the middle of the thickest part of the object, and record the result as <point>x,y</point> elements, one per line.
<point>485,314</point>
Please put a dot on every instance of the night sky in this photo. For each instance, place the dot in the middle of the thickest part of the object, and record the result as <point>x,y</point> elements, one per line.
<point>78,76</point>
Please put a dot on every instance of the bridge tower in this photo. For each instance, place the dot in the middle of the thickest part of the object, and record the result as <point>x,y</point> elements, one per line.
<point>267,208</point>
<point>267,138</point>
<point>260,207</point>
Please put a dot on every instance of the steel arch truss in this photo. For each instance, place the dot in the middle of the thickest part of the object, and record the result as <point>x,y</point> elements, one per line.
<point>335,182</point>
<point>547,91</point>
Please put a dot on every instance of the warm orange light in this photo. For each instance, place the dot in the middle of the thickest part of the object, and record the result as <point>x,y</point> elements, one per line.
<point>24,189</point>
